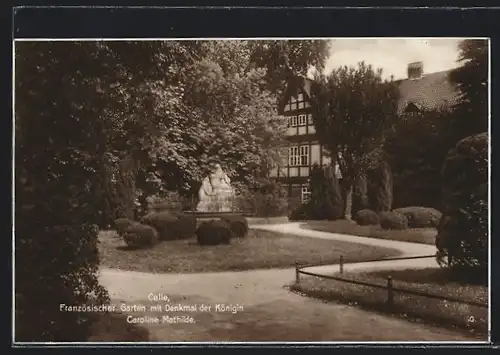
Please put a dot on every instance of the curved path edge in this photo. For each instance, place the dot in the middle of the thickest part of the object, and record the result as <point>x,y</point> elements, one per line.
<point>406,249</point>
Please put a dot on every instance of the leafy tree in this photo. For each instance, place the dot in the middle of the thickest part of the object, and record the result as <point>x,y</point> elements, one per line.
<point>472,81</point>
<point>463,229</point>
<point>416,151</point>
<point>60,143</point>
<point>214,106</point>
<point>241,126</point>
<point>352,110</point>
<point>283,58</point>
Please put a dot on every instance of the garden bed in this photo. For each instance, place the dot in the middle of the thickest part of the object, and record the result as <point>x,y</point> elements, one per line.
<point>415,235</point>
<point>433,281</point>
<point>259,250</point>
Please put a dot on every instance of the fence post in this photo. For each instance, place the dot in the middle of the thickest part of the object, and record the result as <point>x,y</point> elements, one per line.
<point>297,274</point>
<point>390,295</point>
<point>341,264</point>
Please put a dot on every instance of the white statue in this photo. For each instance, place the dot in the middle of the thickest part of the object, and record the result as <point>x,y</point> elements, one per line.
<point>216,193</point>
<point>205,194</point>
<point>220,181</point>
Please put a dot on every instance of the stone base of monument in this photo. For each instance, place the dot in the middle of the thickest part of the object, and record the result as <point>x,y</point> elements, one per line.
<point>208,216</point>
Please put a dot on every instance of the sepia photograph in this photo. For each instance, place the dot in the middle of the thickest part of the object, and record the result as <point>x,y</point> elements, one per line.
<point>253,190</point>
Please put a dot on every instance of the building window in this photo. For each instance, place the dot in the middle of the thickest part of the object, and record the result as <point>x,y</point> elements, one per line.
<point>302,120</point>
<point>304,155</point>
<point>293,156</point>
<point>305,195</point>
<point>309,119</point>
<point>293,121</point>
<point>298,155</point>
<point>296,103</point>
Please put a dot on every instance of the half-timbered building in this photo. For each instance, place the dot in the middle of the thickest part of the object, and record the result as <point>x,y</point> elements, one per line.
<point>303,150</point>
<point>418,93</point>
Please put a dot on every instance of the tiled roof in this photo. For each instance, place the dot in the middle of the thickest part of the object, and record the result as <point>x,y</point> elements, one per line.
<point>431,92</point>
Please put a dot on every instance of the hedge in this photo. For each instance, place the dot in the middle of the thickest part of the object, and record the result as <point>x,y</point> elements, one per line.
<point>366,218</point>
<point>420,217</point>
<point>140,236</point>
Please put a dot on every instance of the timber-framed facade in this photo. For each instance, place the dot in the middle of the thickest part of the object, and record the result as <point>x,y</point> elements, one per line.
<point>303,149</point>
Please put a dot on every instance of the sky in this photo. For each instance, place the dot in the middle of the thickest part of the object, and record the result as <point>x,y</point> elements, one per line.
<point>394,54</point>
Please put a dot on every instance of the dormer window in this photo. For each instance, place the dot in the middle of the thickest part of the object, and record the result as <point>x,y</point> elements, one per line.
<point>415,70</point>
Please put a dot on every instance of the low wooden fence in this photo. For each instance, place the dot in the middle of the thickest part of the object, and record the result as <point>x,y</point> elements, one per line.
<point>299,269</point>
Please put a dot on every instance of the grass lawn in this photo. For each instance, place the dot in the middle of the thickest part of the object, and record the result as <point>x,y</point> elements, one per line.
<point>259,250</point>
<point>113,327</point>
<point>416,235</point>
<point>433,280</point>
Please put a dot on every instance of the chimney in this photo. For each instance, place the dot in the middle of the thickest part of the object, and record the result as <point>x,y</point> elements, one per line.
<point>415,70</point>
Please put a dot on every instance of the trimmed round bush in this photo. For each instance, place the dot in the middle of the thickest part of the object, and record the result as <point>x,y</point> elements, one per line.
<point>185,226</point>
<point>140,236</point>
<point>164,222</point>
<point>121,224</point>
<point>420,217</point>
<point>393,220</point>
<point>214,232</point>
<point>238,225</point>
<point>367,218</point>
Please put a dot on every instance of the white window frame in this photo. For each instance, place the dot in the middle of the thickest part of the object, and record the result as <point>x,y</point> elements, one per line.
<point>304,153</point>
<point>305,193</point>
<point>293,121</point>
<point>303,120</point>
<point>293,156</point>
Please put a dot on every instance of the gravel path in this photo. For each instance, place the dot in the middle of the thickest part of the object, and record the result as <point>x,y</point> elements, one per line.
<point>264,309</point>
<point>405,248</point>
